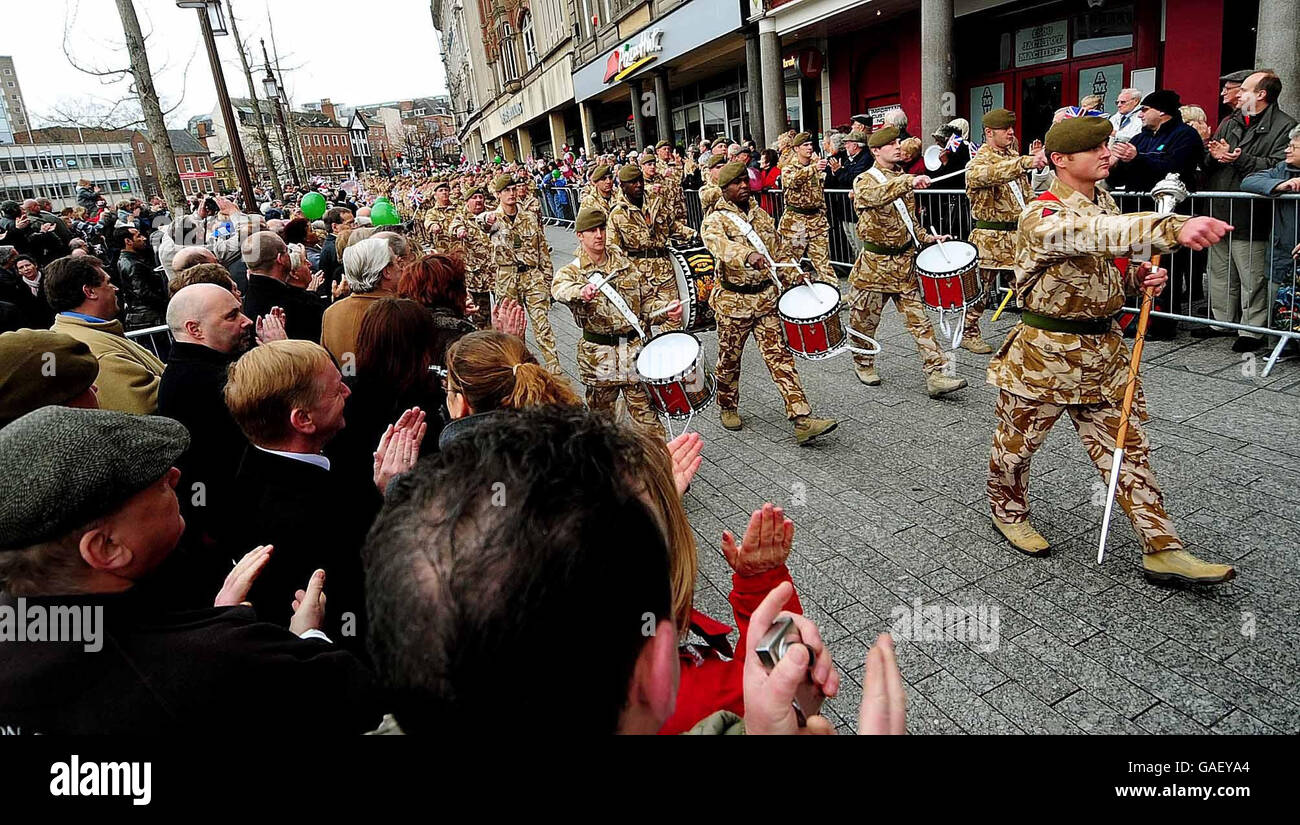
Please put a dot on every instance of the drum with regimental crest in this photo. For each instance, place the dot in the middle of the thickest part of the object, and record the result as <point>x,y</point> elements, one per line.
<point>675,374</point>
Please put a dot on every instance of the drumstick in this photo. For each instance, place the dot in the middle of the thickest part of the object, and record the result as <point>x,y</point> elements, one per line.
<point>942,251</point>
<point>949,175</point>
<point>668,308</point>
<point>1003,305</point>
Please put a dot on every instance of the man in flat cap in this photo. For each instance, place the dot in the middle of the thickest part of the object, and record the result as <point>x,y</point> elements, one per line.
<point>1231,90</point>
<point>615,316</point>
<point>600,193</point>
<point>743,239</point>
<point>840,174</point>
<point>671,175</point>
<point>438,218</point>
<point>524,266</point>
<point>1067,354</point>
<point>997,184</point>
<point>88,511</point>
<point>641,224</point>
<point>40,367</point>
<point>891,235</point>
<point>804,229</point>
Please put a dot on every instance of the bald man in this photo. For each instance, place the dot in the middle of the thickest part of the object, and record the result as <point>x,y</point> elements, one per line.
<point>210,332</point>
<point>189,256</point>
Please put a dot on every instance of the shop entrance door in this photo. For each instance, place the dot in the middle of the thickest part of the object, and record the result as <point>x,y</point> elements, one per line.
<point>1040,96</point>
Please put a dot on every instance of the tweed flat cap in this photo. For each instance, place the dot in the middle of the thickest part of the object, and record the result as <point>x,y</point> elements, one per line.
<point>1236,77</point>
<point>1000,119</point>
<point>714,161</point>
<point>731,173</point>
<point>630,172</point>
<point>600,172</point>
<point>501,182</point>
<point>39,367</point>
<point>1077,134</point>
<point>864,120</point>
<point>589,218</point>
<point>61,468</point>
<point>881,137</point>
<point>800,139</point>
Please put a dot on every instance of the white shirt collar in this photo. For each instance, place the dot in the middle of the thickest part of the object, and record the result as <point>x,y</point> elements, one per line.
<point>307,458</point>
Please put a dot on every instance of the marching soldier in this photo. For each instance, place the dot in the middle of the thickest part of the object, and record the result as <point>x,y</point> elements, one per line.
<point>804,228</point>
<point>610,340</point>
<point>671,174</point>
<point>524,265</point>
<point>438,218</point>
<point>1067,354</point>
<point>526,193</point>
<point>890,233</point>
<point>640,224</point>
<point>997,183</point>
<point>710,192</point>
<point>600,194</point>
<point>470,239</point>
<point>741,236</point>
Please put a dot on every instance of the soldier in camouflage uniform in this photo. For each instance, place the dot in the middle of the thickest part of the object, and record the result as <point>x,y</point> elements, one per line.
<point>610,343</point>
<point>885,267</point>
<point>804,229</point>
<point>524,267</point>
<point>1067,354</point>
<point>438,218</point>
<point>641,224</point>
<point>526,193</point>
<point>471,241</point>
<point>997,183</point>
<point>710,192</point>
<point>671,174</point>
<point>600,193</point>
<point>745,303</point>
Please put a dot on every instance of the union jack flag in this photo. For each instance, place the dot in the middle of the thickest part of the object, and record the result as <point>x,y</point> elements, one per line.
<point>1075,111</point>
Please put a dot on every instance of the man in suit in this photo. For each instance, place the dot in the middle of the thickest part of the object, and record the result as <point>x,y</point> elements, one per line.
<point>269,269</point>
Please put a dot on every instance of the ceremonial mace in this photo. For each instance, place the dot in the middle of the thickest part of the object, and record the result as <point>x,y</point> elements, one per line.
<point>1168,193</point>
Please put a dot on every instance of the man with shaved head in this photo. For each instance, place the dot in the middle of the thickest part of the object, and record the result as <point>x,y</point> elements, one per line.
<point>210,331</point>
<point>189,256</point>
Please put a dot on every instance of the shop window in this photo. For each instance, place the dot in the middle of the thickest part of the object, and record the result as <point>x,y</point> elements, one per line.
<point>1104,29</point>
<point>509,61</point>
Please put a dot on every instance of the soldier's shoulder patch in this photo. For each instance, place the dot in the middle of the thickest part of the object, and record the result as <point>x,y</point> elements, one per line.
<point>1049,211</point>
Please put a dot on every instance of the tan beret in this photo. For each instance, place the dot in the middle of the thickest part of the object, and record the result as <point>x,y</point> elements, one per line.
<point>1077,134</point>
<point>883,137</point>
<point>589,217</point>
<point>1000,119</point>
<point>38,368</point>
<point>629,172</point>
<point>731,173</point>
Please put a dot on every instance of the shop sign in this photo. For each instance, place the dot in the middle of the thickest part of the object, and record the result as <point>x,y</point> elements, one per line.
<point>634,54</point>
<point>1042,44</point>
<point>1102,80</point>
<point>984,99</point>
<point>509,113</point>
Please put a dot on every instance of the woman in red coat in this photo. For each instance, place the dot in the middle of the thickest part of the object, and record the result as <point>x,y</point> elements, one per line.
<point>764,179</point>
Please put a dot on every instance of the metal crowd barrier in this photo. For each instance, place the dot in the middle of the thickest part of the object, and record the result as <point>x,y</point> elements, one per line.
<point>157,340</point>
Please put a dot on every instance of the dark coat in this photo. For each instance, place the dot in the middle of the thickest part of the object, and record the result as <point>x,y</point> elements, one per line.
<point>849,172</point>
<point>145,290</point>
<point>28,311</point>
<point>1286,219</point>
<point>214,671</point>
<point>302,310</point>
<point>329,264</point>
<point>1263,145</point>
<point>1174,147</point>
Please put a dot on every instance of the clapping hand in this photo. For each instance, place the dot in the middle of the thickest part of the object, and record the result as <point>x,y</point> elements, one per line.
<point>240,578</point>
<point>884,704</point>
<point>399,447</point>
<point>271,327</point>
<point>341,289</point>
<point>1124,150</point>
<point>684,450</point>
<point>309,606</point>
<point>316,280</point>
<point>805,674</point>
<point>508,317</point>
<point>766,544</point>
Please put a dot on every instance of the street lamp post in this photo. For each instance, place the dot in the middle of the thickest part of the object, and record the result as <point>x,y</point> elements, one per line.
<point>212,22</point>
<point>272,90</point>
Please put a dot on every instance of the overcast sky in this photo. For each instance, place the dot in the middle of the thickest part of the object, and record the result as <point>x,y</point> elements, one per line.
<point>387,51</point>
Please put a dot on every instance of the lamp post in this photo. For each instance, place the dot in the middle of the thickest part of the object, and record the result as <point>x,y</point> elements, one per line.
<point>213,23</point>
<point>272,90</point>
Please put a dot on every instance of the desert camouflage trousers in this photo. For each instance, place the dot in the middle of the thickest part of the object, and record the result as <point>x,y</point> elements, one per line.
<point>808,236</point>
<point>604,397</point>
<point>482,317</point>
<point>988,280</point>
<point>864,315</point>
<point>1023,425</point>
<point>529,289</point>
<point>767,332</point>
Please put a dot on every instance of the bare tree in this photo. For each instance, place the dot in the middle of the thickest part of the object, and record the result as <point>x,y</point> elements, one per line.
<point>257,108</point>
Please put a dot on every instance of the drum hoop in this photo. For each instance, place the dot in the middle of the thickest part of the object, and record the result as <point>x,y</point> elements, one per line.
<point>833,310</point>
<point>926,273</point>
<point>685,286</point>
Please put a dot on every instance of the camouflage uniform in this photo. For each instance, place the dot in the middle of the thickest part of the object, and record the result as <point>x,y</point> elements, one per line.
<point>878,276</point>
<point>591,198</point>
<point>524,271</point>
<point>1042,374</point>
<point>475,249</point>
<point>437,226</point>
<point>804,229</point>
<point>739,313</point>
<point>989,176</point>
<point>610,369</point>
<point>710,194</point>
<point>671,178</point>
<point>643,232</point>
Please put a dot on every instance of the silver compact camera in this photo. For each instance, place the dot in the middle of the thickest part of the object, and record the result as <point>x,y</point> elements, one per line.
<point>777,642</point>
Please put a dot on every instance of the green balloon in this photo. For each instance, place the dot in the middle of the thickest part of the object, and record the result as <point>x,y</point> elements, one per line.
<point>382,199</point>
<point>383,214</point>
<point>313,205</point>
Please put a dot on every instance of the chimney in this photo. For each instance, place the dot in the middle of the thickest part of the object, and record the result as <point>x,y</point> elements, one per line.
<point>327,108</point>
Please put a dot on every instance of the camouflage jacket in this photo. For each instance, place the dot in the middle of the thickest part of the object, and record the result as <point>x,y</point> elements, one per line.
<point>1065,268</point>
<point>520,240</point>
<point>671,178</point>
<point>592,199</point>
<point>601,363</point>
<point>802,184</point>
<point>710,194</point>
<point>879,222</point>
<point>728,244</point>
<point>988,178</point>
<point>475,249</point>
<point>437,224</point>
<point>647,227</point>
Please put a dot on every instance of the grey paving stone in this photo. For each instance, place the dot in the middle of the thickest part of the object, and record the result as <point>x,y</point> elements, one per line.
<point>970,713</point>
<point>1091,715</point>
<point>1028,711</point>
<point>1164,720</point>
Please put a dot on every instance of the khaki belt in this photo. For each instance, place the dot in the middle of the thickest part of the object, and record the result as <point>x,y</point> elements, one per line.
<point>997,226</point>
<point>799,210</point>
<point>1073,326</point>
<point>745,289</point>
<point>608,340</point>
<point>886,250</point>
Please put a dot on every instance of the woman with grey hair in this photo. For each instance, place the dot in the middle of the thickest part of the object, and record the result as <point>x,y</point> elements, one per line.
<point>371,273</point>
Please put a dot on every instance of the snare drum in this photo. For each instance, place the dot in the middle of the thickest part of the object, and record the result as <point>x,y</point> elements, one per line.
<point>949,275</point>
<point>696,272</point>
<point>673,371</point>
<point>811,318</point>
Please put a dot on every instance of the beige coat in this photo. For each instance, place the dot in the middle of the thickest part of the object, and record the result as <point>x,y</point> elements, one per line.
<point>128,373</point>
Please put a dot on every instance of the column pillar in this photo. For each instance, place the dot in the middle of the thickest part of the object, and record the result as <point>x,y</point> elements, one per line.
<point>1276,43</point>
<point>938,99</point>
<point>587,116</point>
<point>638,119</point>
<point>769,48</point>
<point>754,80</point>
<point>525,140</point>
<point>663,111</point>
<point>556,122</point>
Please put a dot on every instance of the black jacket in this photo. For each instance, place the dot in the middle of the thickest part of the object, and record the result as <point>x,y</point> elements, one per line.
<point>302,310</point>
<point>329,264</point>
<point>28,311</point>
<point>215,671</point>
<point>849,171</point>
<point>316,518</point>
<point>145,290</point>
<point>1174,147</point>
